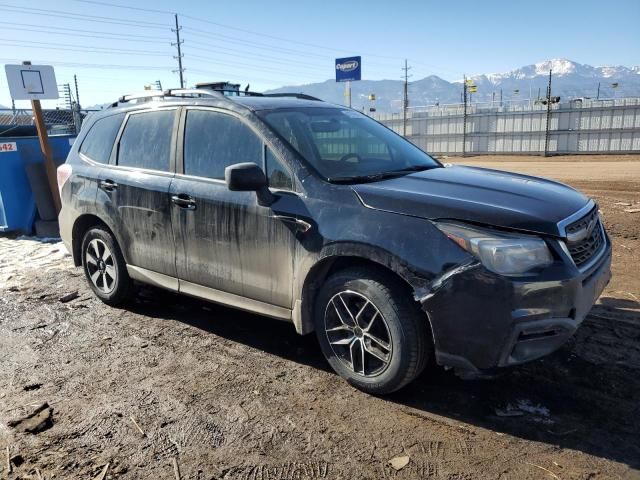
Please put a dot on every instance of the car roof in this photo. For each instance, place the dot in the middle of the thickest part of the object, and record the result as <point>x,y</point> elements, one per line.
<point>270,103</point>
<point>186,97</point>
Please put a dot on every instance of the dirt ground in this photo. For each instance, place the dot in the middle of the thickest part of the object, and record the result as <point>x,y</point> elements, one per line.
<point>223,394</point>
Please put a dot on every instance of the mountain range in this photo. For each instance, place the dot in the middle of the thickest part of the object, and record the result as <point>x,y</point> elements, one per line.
<point>569,80</point>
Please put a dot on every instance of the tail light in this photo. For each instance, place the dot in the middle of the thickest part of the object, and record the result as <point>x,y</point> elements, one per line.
<point>63,174</point>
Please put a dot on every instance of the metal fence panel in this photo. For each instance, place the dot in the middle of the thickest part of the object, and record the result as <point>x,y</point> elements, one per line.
<point>579,126</point>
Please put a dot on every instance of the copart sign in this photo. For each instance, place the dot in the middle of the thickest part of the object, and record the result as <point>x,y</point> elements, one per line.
<point>348,69</point>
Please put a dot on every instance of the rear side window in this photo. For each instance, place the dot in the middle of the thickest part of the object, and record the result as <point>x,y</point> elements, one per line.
<point>98,143</point>
<point>213,141</point>
<point>146,140</point>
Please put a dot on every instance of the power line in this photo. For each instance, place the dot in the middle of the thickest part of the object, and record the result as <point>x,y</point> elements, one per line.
<point>90,65</point>
<point>238,29</point>
<point>203,33</point>
<point>273,37</point>
<point>261,46</point>
<point>152,10</point>
<point>74,35</point>
<point>283,60</point>
<point>105,49</point>
<point>238,64</point>
<point>116,35</point>
<point>113,51</point>
<point>87,18</point>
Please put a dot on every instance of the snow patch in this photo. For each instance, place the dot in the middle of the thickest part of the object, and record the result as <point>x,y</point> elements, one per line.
<point>560,66</point>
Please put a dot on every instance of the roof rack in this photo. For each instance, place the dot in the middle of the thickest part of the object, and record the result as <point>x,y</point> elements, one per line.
<point>171,92</point>
<point>204,92</point>
<point>197,92</point>
<point>302,96</point>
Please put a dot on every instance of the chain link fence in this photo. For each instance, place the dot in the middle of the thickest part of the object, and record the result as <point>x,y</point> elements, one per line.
<point>58,121</point>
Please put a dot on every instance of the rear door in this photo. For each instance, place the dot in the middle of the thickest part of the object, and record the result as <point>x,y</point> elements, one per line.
<point>224,239</point>
<point>95,152</point>
<point>134,189</point>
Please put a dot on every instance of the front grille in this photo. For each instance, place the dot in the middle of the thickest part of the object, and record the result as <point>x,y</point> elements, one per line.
<point>591,244</point>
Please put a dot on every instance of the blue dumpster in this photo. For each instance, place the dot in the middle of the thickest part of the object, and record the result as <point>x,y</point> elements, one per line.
<point>17,205</point>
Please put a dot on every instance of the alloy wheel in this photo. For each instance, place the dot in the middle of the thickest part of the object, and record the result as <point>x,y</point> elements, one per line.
<point>100,266</point>
<point>358,333</point>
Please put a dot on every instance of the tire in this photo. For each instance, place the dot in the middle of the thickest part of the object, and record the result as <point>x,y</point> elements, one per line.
<point>388,365</point>
<point>105,268</point>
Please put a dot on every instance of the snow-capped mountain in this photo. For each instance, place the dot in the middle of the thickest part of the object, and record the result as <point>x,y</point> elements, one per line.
<point>569,80</point>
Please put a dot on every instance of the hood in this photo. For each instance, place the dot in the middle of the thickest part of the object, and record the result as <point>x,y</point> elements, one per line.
<point>477,195</point>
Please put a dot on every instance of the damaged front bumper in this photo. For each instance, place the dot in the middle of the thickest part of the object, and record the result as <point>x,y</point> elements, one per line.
<point>481,321</point>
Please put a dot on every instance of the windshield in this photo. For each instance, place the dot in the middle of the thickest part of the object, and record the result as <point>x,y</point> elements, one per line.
<point>347,146</point>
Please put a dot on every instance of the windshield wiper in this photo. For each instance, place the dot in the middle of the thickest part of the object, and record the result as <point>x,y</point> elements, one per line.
<point>374,177</point>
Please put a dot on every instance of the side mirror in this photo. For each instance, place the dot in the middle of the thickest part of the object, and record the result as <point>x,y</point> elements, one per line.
<point>249,177</point>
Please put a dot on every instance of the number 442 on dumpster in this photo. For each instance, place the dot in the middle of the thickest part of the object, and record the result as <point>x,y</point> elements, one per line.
<point>8,147</point>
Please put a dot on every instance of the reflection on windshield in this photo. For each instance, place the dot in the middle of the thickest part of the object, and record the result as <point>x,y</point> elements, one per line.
<point>347,146</point>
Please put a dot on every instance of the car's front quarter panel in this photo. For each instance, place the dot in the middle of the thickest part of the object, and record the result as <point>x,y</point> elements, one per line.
<point>411,247</point>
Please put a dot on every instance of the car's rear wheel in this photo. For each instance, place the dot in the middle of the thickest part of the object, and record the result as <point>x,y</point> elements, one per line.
<point>104,267</point>
<point>370,330</point>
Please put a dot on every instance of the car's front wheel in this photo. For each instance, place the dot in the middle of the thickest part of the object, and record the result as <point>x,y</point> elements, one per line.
<point>104,267</point>
<point>370,330</point>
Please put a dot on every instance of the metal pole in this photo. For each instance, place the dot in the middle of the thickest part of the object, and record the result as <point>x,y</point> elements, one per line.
<point>464,117</point>
<point>75,80</point>
<point>404,100</point>
<point>546,136</point>
<point>598,94</point>
<point>179,45</point>
<point>347,92</point>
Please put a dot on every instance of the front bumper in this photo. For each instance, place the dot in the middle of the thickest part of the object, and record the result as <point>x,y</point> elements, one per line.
<point>481,321</point>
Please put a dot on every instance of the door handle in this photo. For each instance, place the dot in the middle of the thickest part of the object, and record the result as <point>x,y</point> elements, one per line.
<point>108,185</point>
<point>184,201</point>
<point>303,226</point>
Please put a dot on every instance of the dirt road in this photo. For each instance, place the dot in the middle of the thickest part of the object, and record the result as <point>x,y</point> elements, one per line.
<point>230,395</point>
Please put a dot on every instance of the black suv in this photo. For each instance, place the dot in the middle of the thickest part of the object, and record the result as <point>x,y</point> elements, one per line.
<point>316,214</point>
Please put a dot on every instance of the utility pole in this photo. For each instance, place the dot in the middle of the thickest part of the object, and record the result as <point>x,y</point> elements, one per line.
<point>464,116</point>
<point>598,93</point>
<point>405,98</point>
<point>178,44</point>
<point>75,80</point>
<point>546,136</point>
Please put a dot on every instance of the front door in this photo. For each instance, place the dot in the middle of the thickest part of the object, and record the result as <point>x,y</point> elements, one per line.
<point>224,239</point>
<point>134,190</point>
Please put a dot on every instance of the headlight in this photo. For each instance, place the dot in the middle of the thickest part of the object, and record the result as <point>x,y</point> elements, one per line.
<point>503,253</point>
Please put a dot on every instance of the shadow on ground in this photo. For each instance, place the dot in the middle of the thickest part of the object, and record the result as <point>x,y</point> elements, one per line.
<point>591,407</point>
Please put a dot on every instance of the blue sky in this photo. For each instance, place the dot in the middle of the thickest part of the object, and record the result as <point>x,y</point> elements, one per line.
<point>273,43</point>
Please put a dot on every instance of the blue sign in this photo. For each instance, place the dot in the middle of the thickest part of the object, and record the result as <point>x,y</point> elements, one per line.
<point>348,69</point>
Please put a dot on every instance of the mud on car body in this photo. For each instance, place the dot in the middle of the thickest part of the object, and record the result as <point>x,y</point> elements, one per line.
<point>316,214</point>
